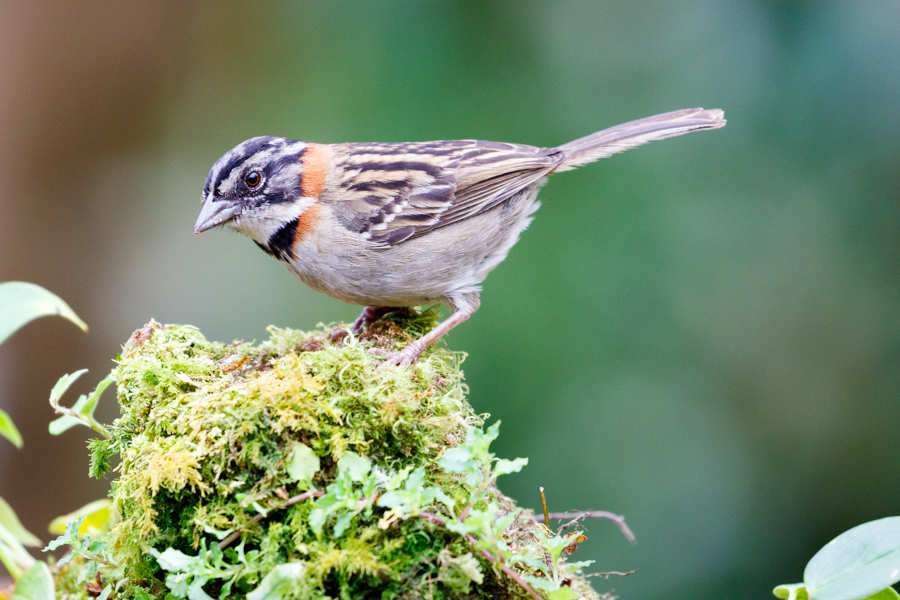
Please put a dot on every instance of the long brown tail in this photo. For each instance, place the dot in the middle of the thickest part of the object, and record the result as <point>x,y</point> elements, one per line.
<point>636,133</point>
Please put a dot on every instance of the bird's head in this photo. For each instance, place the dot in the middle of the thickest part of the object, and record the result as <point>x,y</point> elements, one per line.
<point>254,188</point>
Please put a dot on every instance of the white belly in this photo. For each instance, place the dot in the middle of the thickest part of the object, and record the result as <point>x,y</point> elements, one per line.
<point>445,262</point>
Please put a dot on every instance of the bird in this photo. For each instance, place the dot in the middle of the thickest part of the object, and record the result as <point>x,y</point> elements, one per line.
<point>391,225</point>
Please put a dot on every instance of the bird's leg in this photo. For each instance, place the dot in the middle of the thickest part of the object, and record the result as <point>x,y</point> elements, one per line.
<point>368,315</point>
<point>464,306</point>
<point>409,354</point>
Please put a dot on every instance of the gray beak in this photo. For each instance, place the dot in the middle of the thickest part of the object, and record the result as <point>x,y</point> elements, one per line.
<point>214,212</point>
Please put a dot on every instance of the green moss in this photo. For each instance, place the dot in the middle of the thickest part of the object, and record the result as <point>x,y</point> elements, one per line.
<point>206,446</point>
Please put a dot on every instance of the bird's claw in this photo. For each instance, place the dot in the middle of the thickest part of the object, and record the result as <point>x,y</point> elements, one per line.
<point>404,357</point>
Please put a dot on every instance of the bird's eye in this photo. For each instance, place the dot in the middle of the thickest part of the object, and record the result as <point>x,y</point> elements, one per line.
<point>252,179</point>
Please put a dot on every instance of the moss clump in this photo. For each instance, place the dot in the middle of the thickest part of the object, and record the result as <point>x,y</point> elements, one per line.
<point>297,468</point>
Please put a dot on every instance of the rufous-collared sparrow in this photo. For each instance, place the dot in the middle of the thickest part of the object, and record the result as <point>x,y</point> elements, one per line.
<point>404,224</point>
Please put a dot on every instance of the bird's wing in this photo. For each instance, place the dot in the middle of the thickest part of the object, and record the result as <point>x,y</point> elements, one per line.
<point>391,192</point>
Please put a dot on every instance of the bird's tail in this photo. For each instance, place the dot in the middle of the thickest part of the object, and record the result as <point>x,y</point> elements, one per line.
<point>636,133</point>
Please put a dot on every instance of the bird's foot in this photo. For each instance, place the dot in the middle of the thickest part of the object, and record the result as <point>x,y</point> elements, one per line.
<point>407,356</point>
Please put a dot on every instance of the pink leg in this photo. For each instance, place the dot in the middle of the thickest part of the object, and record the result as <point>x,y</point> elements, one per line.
<point>409,354</point>
<point>369,314</point>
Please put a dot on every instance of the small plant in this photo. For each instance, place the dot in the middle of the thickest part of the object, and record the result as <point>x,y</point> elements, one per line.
<point>860,564</point>
<point>21,303</point>
<point>297,468</point>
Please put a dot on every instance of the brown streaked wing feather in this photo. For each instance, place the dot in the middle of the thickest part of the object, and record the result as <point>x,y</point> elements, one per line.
<point>392,192</point>
<point>497,174</point>
<point>389,191</point>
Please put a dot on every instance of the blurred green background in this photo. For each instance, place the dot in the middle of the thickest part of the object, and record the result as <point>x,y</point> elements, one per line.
<point>702,334</point>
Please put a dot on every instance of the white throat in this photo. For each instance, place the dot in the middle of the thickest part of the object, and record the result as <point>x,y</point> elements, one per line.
<point>261,222</point>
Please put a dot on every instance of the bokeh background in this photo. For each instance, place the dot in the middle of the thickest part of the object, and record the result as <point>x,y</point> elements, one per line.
<point>702,334</point>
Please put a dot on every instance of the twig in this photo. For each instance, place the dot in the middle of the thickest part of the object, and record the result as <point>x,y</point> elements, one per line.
<point>304,496</point>
<point>89,421</point>
<point>590,514</point>
<point>490,558</point>
<point>606,574</point>
<point>484,485</point>
<point>293,500</point>
<point>544,506</point>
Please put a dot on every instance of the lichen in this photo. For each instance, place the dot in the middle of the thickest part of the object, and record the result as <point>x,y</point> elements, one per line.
<point>298,468</point>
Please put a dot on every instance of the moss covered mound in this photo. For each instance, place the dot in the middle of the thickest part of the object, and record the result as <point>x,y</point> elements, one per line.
<point>297,468</point>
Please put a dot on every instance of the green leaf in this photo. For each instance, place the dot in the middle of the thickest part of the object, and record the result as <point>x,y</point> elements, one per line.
<point>343,522</point>
<point>885,594</point>
<point>478,442</point>
<point>22,302</point>
<point>69,536</point>
<point>316,520</point>
<point>797,591</point>
<point>534,563</point>
<point>563,593</point>
<point>554,546</point>
<point>857,564</point>
<point>570,567</point>
<point>220,534</point>
<point>473,457</point>
<point>463,528</point>
<point>791,591</point>
<point>88,408</point>
<point>505,467</point>
<point>66,422</point>
<point>84,406</point>
<point>94,514</point>
<point>444,499</point>
<point>539,583</point>
<point>35,584</point>
<point>468,566</point>
<point>356,466</point>
<point>457,460</point>
<point>302,463</point>
<point>63,385</point>
<point>10,521</point>
<point>13,554</point>
<point>458,573</point>
<point>188,574</point>
<point>195,592</point>
<point>281,582</point>
<point>8,429</point>
<point>174,560</point>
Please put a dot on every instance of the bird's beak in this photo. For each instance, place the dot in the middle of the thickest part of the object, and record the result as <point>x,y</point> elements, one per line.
<point>214,212</point>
